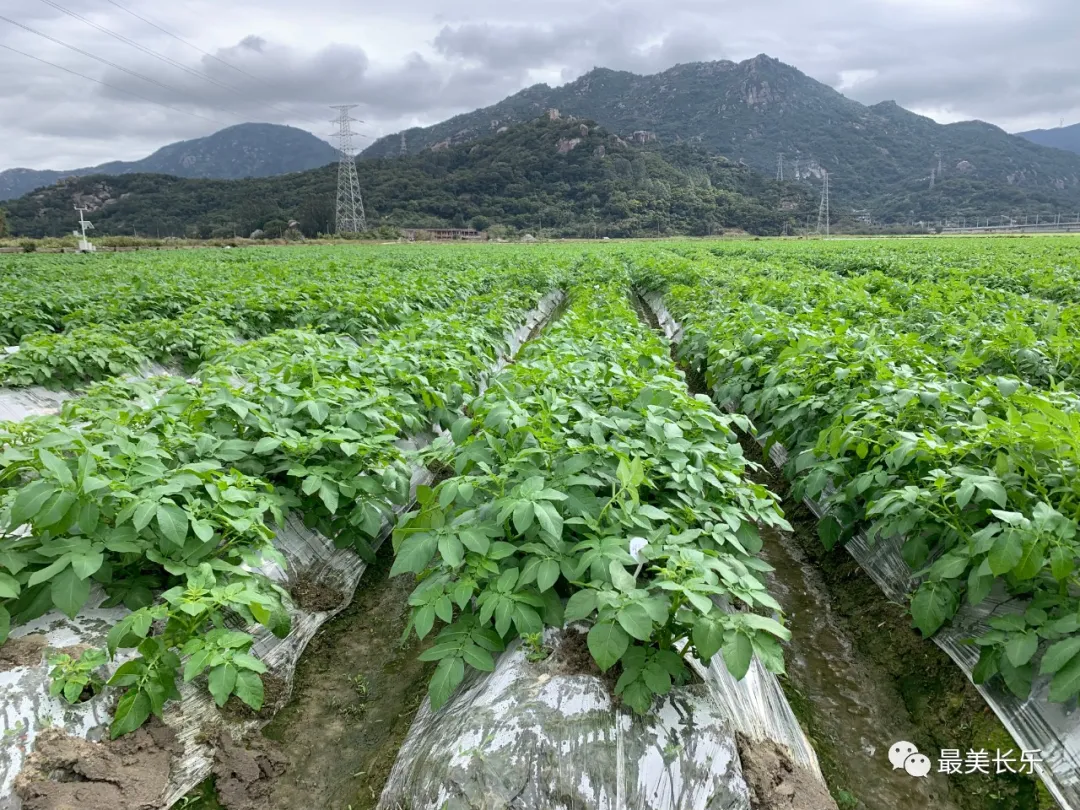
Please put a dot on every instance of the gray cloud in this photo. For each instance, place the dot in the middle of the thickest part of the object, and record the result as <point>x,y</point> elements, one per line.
<point>414,63</point>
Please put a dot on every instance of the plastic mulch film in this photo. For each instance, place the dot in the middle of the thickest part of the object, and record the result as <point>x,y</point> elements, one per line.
<point>537,735</point>
<point>36,400</point>
<point>540,735</point>
<point>1036,724</point>
<point>26,708</point>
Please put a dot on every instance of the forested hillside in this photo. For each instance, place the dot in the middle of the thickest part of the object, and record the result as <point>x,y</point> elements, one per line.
<point>568,177</point>
<point>879,157</point>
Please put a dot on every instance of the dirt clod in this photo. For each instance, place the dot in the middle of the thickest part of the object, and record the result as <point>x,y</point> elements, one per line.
<point>777,783</point>
<point>25,651</point>
<point>274,692</point>
<point>572,657</point>
<point>65,772</point>
<point>245,774</point>
<point>75,651</point>
<point>314,597</point>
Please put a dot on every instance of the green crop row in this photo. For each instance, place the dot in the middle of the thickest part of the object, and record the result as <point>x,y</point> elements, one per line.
<point>125,334</point>
<point>977,472</point>
<point>589,485</point>
<point>165,492</point>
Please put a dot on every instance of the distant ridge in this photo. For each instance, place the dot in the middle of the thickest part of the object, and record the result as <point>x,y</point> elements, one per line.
<point>879,157</point>
<point>1067,138</point>
<point>244,150</point>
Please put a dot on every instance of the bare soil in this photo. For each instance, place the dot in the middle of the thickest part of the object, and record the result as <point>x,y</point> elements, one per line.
<point>776,783</point>
<point>314,597</point>
<point>25,651</point>
<point>245,774</point>
<point>355,693</point>
<point>275,690</point>
<point>572,657</point>
<point>65,772</point>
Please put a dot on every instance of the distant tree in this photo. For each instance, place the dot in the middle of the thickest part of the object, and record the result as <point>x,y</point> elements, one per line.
<point>316,215</point>
<point>3,224</point>
<point>275,228</point>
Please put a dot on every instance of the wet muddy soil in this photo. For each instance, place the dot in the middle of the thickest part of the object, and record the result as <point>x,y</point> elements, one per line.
<point>354,697</point>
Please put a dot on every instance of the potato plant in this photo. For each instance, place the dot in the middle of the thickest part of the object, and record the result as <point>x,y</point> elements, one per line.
<point>941,411</point>
<point>590,486</point>
<point>165,494</point>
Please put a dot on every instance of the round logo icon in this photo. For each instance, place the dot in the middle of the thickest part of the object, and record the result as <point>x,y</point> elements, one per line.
<point>917,765</point>
<point>899,752</point>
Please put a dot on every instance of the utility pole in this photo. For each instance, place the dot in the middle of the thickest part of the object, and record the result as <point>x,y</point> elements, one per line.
<point>350,206</point>
<point>823,208</point>
<point>84,243</point>
<point>780,167</point>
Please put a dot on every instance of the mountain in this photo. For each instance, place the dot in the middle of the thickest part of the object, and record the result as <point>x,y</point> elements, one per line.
<point>756,110</point>
<point>245,150</point>
<point>1067,138</point>
<point>570,176</point>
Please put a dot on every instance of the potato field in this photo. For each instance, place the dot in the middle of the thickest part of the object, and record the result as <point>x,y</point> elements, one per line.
<point>625,525</point>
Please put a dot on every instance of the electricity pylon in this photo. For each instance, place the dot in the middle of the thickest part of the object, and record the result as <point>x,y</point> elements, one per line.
<point>350,206</point>
<point>823,209</point>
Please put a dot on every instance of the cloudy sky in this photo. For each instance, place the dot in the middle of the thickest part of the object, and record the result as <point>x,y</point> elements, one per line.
<point>210,63</point>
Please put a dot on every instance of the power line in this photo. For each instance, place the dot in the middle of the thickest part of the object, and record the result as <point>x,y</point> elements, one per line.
<point>167,60</point>
<point>99,59</point>
<point>207,54</point>
<point>110,86</point>
<point>192,71</point>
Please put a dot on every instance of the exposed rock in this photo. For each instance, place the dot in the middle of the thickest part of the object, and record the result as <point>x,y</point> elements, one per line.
<point>643,136</point>
<point>567,144</point>
<point>599,151</point>
<point>964,166</point>
<point>438,147</point>
<point>584,130</point>
<point>553,114</point>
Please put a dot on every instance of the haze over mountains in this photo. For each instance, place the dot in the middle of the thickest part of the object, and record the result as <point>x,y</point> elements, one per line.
<point>244,150</point>
<point>1060,138</point>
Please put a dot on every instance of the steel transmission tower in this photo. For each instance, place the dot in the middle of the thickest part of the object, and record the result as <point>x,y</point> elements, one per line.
<point>350,206</point>
<point>823,209</point>
<point>780,167</point>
